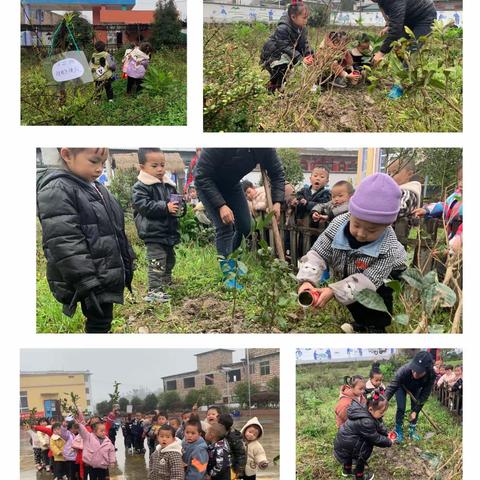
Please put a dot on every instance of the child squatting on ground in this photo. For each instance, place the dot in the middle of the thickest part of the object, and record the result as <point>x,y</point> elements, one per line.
<point>361,250</point>
<point>287,46</point>
<point>156,206</point>
<point>252,431</point>
<point>363,430</point>
<point>89,259</point>
<point>166,461</point>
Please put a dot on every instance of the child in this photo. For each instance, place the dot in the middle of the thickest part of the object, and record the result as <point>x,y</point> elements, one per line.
<point>174,423</point>
<point>375,380</point>
<point>156,206</point>
<point>363,430</point>
<point>352,389</point>
<point>102,66</point>
<point>448,378</point>
<point>127,434</point>
<point>152,433</point>
<point>252,431</point>
<point>89,259</point>
<point>185,418</point>
<point>69,433</point>
<point>126,59</point>
<point>192,196</point>
<point>138,60</point>
<point>213,414</point>
<point>341,194</point>
<point>337,62</point>
<point>56,447</point>
<point>166,461</point>
<point>36,446</point>
<point>218,452</point>
<point>362,53</point>
<point>237,448</point>
<point>195,455</point>
<point>287,46</point>
<point>137,433</point>
<point>451,212</point>
<point>361,250</point>
<point>256,197</point>
<point>313,195</point>
<point>98,450</point>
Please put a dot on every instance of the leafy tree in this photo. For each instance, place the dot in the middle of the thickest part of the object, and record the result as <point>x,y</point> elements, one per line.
<point>192,397</point>
<point>209,394</point>
<point>137,404</point>
<point>273,385</point>
<point>114,397</point>
<point>241,392</point>
<point>79,27</point>
<point>123,402</point>
<point>319,15</point>
<point>103,408</point>
<point>150,402</point>
<point>121,186</point>
<point>166,29</point>
<point>290,159</point>
<point>169,400</point>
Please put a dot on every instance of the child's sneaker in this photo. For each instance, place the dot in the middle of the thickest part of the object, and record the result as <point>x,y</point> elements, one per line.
<point>365,476</point>
<point>347,471</point>
<point>347,328</point>
<point>339,82</point>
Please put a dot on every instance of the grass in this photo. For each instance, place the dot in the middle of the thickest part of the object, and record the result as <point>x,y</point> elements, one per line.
<point>235,97</point>
<point>200,303</point>
<point>317,394</point>
<point>165,106</point>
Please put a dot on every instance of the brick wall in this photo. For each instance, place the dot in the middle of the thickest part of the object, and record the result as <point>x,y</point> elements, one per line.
<point>274,367</point>
<point>208,362</point>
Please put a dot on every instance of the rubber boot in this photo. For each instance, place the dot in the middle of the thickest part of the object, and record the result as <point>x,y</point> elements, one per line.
<point>412,432</point>
<point>399,432</point>
<point>395,92</point>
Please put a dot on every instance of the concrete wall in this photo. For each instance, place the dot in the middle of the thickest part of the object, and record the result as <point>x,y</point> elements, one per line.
<point>220,13</point>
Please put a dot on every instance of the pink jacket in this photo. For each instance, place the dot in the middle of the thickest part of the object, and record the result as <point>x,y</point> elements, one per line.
<point>96,454</point>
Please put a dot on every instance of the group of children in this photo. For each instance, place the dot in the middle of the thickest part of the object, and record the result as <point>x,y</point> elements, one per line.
<point>134,67</point>
<point>179,449</point>
<point>288,46</point>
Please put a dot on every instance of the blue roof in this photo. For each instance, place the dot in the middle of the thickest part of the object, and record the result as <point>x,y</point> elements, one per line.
<point>80,4</point>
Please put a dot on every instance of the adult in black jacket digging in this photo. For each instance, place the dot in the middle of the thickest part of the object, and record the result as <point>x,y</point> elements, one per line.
<point>418,377</point>
<point>217,179</point>
<point>417,15</point>
<point>287,46</point>
<point>362,431</point>
<point>89,259</point>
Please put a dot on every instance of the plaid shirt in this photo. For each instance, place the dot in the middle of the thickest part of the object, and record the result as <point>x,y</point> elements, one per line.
<point>376,260</point>
<point>166,464</point>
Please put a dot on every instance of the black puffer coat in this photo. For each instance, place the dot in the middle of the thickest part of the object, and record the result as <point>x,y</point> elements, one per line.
<point>219,169</point>
<point>359,434</point>
<point>84,240</point>
<point>421,388</point>
<point>401,13</point>
<point>155,224</point>
<point>287,38</point>
<point>237,450</point>
<point>320,196</point>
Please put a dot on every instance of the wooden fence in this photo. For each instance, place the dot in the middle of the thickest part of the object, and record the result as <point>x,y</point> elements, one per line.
<point>298,237</point>
<point>453,401</point>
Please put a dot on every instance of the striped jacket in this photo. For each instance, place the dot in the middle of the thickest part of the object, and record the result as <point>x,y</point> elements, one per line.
<point>354,269</point>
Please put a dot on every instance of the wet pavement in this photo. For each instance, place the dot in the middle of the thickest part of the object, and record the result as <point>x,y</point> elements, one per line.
<point>134,466</point>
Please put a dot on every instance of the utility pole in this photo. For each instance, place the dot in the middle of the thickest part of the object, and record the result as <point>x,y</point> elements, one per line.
<point>248,380</point>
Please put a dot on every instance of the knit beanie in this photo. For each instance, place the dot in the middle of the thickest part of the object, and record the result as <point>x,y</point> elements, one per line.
<point>376,200</point>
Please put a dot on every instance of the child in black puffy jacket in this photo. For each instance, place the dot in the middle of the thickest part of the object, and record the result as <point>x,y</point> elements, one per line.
<point>362,431</point>
<point>287,46</point>
<point>237,447</point>
<point>156,207</point>
<point>89,259</point>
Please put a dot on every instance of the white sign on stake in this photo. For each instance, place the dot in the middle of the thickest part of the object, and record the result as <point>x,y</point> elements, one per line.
<point>67,69</point>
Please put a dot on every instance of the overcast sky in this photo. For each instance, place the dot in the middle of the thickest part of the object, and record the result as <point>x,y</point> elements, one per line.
<point>133,368</point>
<point>150,5</point>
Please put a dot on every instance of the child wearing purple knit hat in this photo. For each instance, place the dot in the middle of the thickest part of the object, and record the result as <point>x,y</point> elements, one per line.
<point>361,251</point>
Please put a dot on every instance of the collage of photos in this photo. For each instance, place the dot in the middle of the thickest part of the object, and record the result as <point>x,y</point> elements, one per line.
<point>306,209</point>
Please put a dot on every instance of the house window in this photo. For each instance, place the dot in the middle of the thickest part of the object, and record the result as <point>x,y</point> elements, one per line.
<point>171,385</point>
<point>209,379</point>
<point>87,390</point>
<point>189,382</point>
<point>265,368</point>
<point>234,376</point>
<point>252,369</point>
<point>23,402</point>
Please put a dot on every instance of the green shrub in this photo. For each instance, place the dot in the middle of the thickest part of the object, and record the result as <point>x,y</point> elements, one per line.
<point>121,186</point>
